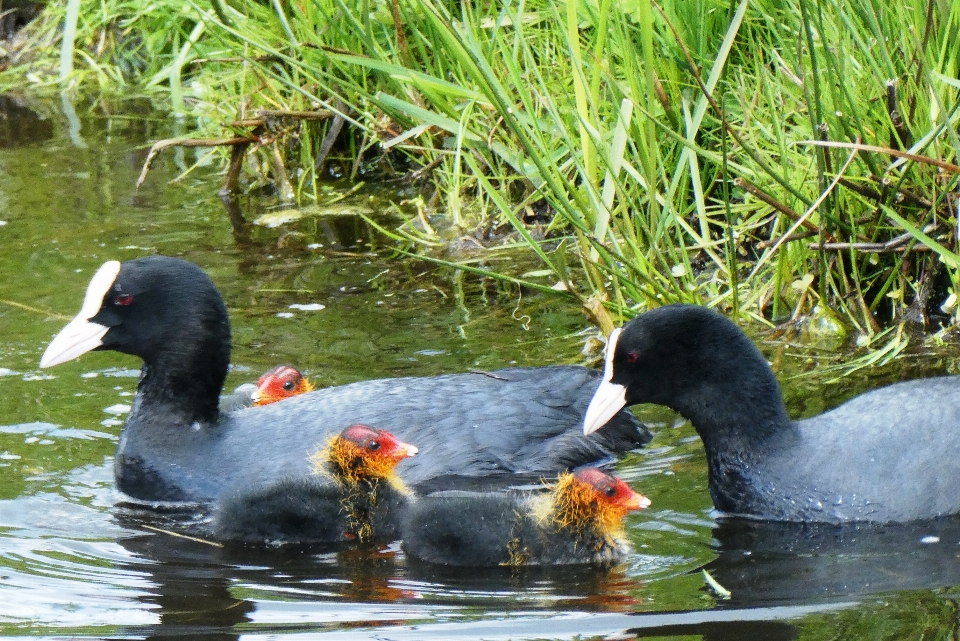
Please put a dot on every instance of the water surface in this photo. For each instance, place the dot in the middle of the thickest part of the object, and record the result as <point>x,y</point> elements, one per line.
<point>75,560</point>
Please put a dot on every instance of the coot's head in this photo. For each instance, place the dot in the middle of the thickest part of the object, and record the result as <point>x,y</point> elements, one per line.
<point>283,381</point>
<point>592,498</point>
<point>167,312</point>
<point>361,452</point>
<point>143,307</point>
<point>689,358</point>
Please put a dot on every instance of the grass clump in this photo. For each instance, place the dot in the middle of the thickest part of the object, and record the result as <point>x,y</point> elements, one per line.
<point>777,158</point>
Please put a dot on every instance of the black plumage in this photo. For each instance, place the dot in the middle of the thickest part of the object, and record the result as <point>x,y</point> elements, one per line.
<point>576,520</point>
<point>177,446</point>
<point>891,454</point>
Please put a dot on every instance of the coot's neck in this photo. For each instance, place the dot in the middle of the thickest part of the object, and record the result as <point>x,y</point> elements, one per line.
<point>741,421</point>
<point>734,402</point>
<point>733,414</point>
<point>185,380</point>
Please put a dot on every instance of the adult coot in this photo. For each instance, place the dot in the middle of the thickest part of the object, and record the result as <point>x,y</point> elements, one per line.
<point>578,520</point>
<point>177,446</point>
<point>892,454</point>
<point>356,495</point>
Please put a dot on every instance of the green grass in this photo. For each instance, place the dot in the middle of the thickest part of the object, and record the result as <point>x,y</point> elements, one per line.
<point>671,145</point>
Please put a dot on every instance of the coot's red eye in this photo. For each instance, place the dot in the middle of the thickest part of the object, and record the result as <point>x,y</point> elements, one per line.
<point>123,299</point>
<point>632,357</point>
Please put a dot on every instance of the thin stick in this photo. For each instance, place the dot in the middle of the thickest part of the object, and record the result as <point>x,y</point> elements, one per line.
<point>900,193</point>
<point>926,160</point>
<point>182,536</point>
<point>894,244</point>
<point>763,244</point>
<point>264,114</point>
<point>870,248</point>
<point>749,187</point>
<point>35,310</point>
<point>188,142</point>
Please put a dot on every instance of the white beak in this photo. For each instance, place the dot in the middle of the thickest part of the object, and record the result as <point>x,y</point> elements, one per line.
<point>610,397</point>
<point>606,402</point>
<point>81,335</point>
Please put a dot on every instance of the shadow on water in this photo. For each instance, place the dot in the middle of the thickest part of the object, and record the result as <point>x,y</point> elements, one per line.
<point>196,588</point>
<point>74,560</point>
<point>773,563</point>
<point>196,585</point>
<point>777,573</point>
<point>21,125</point>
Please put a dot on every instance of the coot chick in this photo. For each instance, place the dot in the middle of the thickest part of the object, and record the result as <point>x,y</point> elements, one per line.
<point>177,446</point>
<point>355,495</point>
<point>891,454</point>
<point>579,520</point>
<point>283,381</point>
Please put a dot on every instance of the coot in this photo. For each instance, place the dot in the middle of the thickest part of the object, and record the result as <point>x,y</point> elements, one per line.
<point>578,520</point>
<point>283,381</point>
<point>892,454</point>
<point>355,495</point>
<point>177,446</point>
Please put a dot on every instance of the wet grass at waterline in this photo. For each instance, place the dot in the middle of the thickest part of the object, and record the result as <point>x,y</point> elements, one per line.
<point>779,159</point>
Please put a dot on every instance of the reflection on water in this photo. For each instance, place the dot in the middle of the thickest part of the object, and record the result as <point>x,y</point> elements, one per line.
<point>75,559</point>
<point>770,563</point>
<point>22,125</point>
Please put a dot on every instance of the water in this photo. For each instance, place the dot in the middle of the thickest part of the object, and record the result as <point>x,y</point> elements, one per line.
<point>76,561</point>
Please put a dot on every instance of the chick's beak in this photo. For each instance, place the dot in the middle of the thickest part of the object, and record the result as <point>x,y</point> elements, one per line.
<point>636,501</point>
<point>405,450</point>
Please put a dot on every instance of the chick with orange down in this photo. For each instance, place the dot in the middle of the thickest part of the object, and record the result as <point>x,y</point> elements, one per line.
<point>578,519</point>
<point>283,381</point>
<point>354,495</point>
